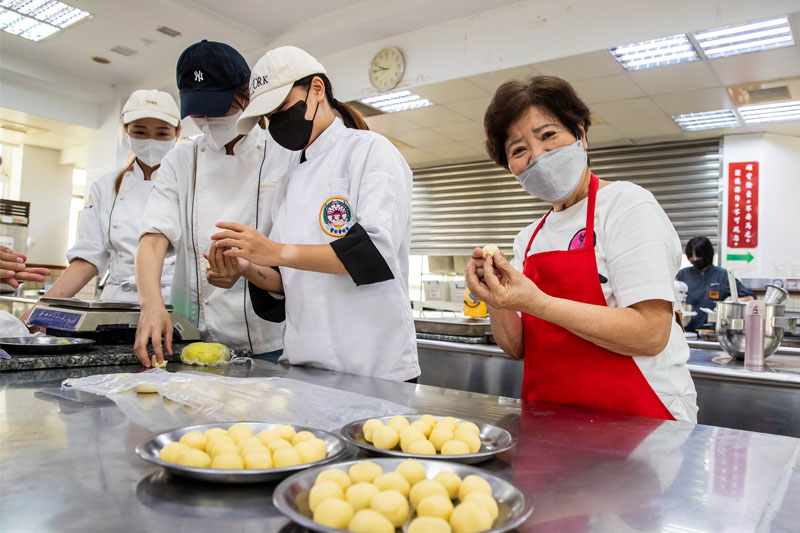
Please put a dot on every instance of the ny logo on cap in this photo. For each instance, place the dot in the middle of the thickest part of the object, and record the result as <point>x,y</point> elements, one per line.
<point>198,75</point>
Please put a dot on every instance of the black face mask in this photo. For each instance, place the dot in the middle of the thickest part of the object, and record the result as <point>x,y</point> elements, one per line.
<point>700,264</point>
<point>290,128</point>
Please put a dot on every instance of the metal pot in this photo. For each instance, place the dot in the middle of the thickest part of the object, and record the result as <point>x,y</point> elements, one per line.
<point>730,328</point>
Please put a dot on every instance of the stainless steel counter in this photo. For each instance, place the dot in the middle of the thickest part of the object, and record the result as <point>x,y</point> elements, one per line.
<point>69,465</point>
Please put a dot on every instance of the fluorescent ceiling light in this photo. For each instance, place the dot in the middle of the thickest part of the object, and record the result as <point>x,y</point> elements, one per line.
<point>655,53</point>
<point>744,38</point>
<point>397,101</point>
<point>776,112</point>
<point>37,19</point>
<point>709,120</point>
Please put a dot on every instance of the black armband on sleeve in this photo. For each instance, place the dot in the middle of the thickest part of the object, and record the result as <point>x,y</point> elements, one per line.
<point>265,305</point>
<point>361,258</point>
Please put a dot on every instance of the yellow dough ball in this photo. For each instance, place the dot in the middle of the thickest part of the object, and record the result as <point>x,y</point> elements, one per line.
<point>215,432</point>
<point>449,422</point>
<point>409,435</point>
<point>240,428</point>
<point>369,427</point>
<point>439,436</point>
<point>360,494</point>
<point>194,439</point>
<point>339,477</point>
<point>286,457</point>
<point>412,470</point>
<point>430,419</point>
<point>227,461</point>
<point>365,471</point>
<point>194,457</point>
<point>485,501</point>
<point>333,512</point>
<point>473,483</point>
<point>258,459</point>
<point>156,364</point>
<point>321,445</point>
<point>172,451</point>
<point>429,524</point>
<point>490,249</point>
<point>324,490</point>
<point>392,481</point>
<point>422,447</point>
<point>449,481</point>
<point>301,436</point>
<point>392,505</point>
<point>469,517</point>
<point>469,438</point>
<point>213,442</point>
<point>286,432</point>
<point>385,437</point>
<point>145,389</point>
<point>277,444</point>
<point>471,426</point>
<point>425,488</point>
<point>424,427</point>
<point>455,447</point>
<point>369,521</point>
<point>267,435</point>
<point>398,423</point>
<point>436,505</point>
<point>248,442</point>
<point>240,433</point>
<point>223,448</point>
<point>309,452</point>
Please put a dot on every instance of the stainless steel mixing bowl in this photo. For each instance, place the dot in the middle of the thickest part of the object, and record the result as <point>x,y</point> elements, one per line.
<point>730,328</point>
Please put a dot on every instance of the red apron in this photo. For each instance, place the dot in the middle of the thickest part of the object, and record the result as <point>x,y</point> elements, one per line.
<point>561,367</point>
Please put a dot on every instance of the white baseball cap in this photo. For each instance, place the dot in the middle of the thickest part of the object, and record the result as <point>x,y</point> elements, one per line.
<point>151,103</point>
<point>272,79</point>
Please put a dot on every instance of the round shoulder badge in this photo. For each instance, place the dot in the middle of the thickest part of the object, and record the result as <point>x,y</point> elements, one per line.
<point>336,217</point>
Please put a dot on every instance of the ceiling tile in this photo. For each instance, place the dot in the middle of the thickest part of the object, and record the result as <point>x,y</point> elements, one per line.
<point>694,101</point>
<point>782,128</point>
<point>416,157</point>
<point>421,138</point>
<point>758,66</point>
<point>490,81</point>
<point>627,110</point>
<point>640,129</point>
<point>463,131</point>
<point>719,132</point>
<point>581,67</point>
<point>473,109</point>
<point>451,150</point>
<point>450,91</point>
<point>607,89</point>
<point>675,78</point>
<point>431,116</point>
<point>389,124</point>
<point>603,133</point>
<point>478,147</point>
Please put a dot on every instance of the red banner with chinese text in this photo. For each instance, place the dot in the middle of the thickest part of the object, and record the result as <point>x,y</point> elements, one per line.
<point>743,205</point>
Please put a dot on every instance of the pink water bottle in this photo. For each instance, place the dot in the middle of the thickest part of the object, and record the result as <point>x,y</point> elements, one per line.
<point>754,319</point>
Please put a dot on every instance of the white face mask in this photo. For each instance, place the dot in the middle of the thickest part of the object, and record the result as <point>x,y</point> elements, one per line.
<point>219,131</point>
<point>554,175</point>
<point>150,151</point>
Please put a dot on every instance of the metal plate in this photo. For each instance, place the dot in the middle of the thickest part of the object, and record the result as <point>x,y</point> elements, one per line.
<point>464,327</point>
<point>149,452</point>
<point>43,344</point>
<point>494,440</point>
<point>291,495</point>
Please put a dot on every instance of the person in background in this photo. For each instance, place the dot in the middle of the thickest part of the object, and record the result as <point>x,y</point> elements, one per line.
<point>220,175</point>
<point>13,269</point>
<point>708,284</point>
<point>109,224</point>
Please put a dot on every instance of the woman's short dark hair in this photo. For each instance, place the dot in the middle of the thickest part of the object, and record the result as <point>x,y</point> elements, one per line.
<point>516,96</point>
<point>701,247</point>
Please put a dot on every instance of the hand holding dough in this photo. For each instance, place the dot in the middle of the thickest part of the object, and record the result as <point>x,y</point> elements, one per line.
<point>490,249</point>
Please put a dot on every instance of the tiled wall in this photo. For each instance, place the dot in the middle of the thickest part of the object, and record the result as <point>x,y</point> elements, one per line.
<point>89,292</point>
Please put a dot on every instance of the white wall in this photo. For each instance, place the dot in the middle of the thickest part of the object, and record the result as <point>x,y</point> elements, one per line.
<point>47,185</point>
<point>778,252</point>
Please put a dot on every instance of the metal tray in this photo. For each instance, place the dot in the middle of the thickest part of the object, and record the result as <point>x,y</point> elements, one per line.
<point>514,505</point>
<point>494,440</point>
<point>149,452</point>
<point>464,327</point>
<point>43,345</point>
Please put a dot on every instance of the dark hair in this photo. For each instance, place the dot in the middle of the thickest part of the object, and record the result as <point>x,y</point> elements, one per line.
<point>516,96</point>
<point>701,247</point>
<point>350,115</point>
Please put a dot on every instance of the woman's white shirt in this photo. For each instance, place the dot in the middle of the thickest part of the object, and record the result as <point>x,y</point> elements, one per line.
<point>228,188</point>
<point>330,321</point>
<point>108,233</point>
<point>638,254</point>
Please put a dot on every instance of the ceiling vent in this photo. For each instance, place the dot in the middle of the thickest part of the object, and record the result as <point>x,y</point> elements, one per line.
<point>771,94</point>
<point>166,30</point>
<point>765,92</point>
<point>124,50</point>
<point>364,109</point>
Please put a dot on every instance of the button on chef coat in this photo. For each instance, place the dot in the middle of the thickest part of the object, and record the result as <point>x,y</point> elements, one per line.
<point>330,321</point>
<point>108,234</point>
<point>228,188</point>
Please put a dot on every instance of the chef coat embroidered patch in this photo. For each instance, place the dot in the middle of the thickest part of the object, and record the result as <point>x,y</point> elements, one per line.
<point>336,217</point>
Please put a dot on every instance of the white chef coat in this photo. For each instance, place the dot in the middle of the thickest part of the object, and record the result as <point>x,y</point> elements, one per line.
<point>108,234</point>
<point>330,321</point>
<point>229,188</point>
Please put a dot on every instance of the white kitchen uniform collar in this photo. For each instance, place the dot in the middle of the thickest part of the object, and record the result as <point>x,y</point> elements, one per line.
<point>326,139</point>
<point>242,145</point>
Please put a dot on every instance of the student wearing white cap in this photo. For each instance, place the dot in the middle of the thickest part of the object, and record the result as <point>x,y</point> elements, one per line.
<point>220,175</point>
<point>340,233</point>
<point>108,233</point>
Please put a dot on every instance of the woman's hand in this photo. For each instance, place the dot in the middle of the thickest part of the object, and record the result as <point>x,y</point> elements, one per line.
<point>224,271</point>
<point>154,323</point>
<point>502,286</point>
<point>13,269</point>
<point>248,243</point>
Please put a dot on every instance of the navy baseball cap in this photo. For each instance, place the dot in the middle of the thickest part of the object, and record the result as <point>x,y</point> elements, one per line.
<point>208,75</point>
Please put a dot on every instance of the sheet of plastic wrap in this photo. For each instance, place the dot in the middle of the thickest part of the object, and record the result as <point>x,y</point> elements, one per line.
<point>227,399</point>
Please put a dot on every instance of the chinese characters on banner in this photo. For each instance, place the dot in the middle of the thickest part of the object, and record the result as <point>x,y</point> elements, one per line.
<point>743,205</point>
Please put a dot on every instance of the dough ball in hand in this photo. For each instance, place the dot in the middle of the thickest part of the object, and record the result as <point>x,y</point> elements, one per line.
<point>490,249</point>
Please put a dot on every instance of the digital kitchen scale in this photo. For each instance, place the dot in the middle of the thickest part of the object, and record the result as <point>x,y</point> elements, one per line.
<point>105,322</point>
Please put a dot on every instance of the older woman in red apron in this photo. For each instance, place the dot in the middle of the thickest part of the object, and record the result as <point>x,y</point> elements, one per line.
<point>586,300</point>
